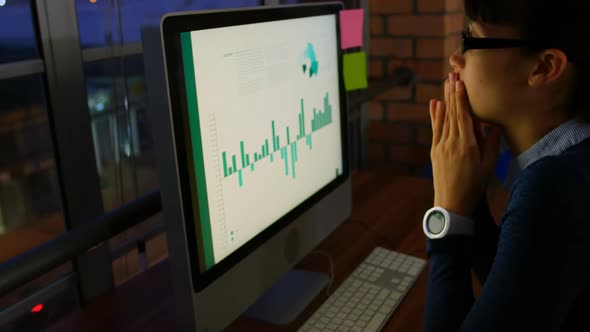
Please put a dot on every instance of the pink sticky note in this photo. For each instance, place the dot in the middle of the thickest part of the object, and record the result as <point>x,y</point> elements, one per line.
<point>351,28</point>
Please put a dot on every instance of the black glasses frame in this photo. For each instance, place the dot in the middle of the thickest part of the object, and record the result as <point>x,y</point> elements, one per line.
<point>470,43</point>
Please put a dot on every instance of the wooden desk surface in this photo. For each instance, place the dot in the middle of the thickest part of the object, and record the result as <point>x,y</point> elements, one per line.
<point>387,211</point>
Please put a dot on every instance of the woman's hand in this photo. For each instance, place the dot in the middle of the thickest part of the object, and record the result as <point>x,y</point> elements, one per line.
<point>461,162</point>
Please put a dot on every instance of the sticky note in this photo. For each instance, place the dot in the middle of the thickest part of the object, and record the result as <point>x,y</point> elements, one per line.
<point>355,71</point>
<point>351,28</point>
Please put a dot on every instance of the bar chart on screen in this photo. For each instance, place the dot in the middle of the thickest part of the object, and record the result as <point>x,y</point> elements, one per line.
<point>270,160</point>
<point>287,148</point>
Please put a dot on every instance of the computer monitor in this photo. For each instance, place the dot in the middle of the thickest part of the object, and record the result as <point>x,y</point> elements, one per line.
<point>249,119</point>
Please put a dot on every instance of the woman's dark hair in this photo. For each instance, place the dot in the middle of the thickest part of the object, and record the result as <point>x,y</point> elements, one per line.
<point>562,24</point>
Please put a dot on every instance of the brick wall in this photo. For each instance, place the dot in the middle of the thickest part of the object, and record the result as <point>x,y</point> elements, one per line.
<point>420,34</point>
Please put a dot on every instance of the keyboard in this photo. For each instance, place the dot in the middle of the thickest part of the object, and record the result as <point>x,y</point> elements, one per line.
<point>368,297</point>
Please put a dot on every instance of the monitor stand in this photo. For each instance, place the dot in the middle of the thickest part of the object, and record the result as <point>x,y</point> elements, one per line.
<point>281,304</point>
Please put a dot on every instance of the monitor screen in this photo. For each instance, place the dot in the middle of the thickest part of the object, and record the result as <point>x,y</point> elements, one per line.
<point>264,119</point>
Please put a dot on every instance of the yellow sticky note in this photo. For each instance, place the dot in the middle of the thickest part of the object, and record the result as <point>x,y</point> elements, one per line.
<point>355,71</point>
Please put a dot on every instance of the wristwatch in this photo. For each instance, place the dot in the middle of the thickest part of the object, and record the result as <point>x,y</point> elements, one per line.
<point>439,223</point>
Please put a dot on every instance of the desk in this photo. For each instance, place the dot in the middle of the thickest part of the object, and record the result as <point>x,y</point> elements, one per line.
<point>387,211</point>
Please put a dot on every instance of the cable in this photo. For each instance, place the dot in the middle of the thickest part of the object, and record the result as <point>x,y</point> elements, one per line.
<point>332,274</point>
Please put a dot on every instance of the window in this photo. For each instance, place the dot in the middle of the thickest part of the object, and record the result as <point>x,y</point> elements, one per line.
<point>30,207</point>
<point>114,22</point>
<point>30,195</point>
<point>17,35</point>
<point>110,36</point>
<point>121,130</point>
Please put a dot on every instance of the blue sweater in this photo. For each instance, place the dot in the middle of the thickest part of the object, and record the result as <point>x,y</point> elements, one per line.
<point>534,267</point>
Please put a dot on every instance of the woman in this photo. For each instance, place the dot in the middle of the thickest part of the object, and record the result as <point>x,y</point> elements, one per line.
<point>524,69</point>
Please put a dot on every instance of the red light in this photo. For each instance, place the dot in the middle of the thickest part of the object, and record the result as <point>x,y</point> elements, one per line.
<point>37,308</point>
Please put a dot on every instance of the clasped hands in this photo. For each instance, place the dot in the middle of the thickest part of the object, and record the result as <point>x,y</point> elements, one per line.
<point>462,158</point>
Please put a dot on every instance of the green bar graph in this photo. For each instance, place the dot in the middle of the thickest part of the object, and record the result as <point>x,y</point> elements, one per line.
<point>302,121</point>
<point>320,119</point>
<point>274,138</point>
<point>293,158</point>
<point>285,157</point>
<point>299,119</point>
<point>288,137</point>
<point>224,157</point>
<point>243,154</point>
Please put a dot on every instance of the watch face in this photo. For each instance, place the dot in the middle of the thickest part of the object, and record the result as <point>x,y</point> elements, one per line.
<point>435,222</point>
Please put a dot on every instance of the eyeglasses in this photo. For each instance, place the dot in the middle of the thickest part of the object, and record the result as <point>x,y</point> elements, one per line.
<point>471,43</point>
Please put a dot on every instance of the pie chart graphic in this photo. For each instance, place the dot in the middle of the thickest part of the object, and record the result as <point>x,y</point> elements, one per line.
<point>310,62</point>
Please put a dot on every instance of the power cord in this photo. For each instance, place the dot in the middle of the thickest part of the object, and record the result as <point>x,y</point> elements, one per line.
<point>332,274</point>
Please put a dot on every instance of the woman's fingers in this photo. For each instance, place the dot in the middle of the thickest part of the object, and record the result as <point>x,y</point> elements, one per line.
<point>457,114</point>
<point>446,125</point>
<point>452,108</point>
<point>447,89</point>
<point>440,118</point>
<point>439,121</point>
<point>460,111</point>
<point>433,116</point>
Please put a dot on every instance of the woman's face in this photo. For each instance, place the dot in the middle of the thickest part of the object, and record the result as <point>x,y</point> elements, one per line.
<point>495,79</point>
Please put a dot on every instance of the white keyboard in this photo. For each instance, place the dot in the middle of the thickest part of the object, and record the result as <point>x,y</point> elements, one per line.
<point>367,298</point>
